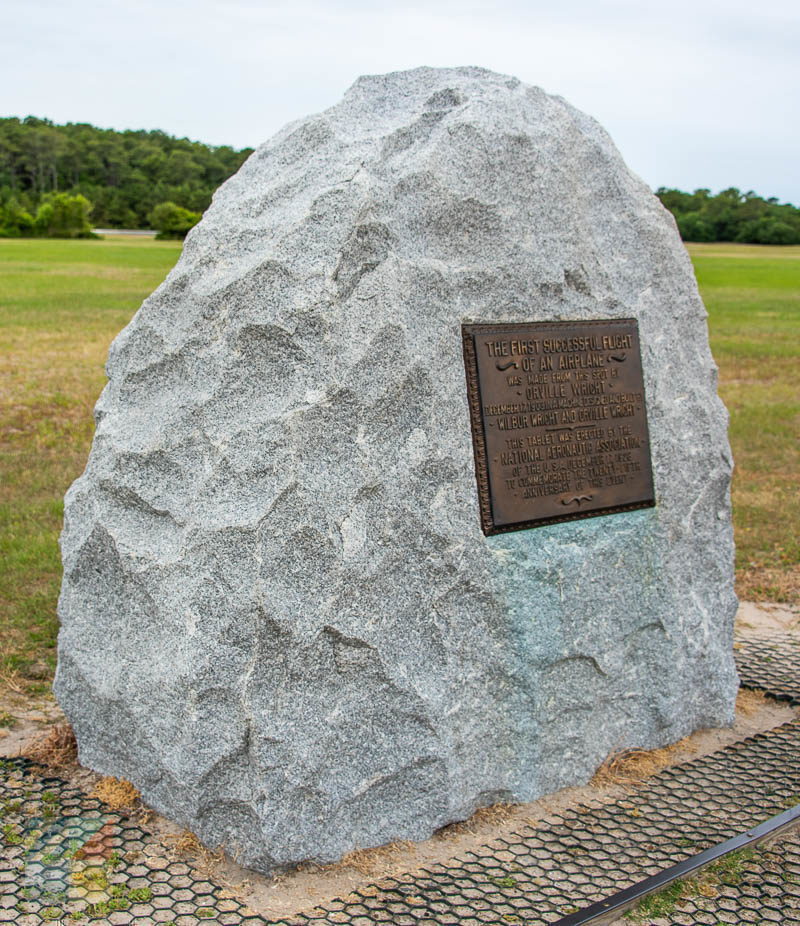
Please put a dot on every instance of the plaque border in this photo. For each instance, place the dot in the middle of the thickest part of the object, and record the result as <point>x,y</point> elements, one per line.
<point>479,439</point>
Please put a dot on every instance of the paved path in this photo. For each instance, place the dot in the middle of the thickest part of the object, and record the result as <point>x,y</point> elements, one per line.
<point>128,232</point>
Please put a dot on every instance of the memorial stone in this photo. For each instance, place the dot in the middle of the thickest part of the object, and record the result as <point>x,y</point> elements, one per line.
<point>286,615</point>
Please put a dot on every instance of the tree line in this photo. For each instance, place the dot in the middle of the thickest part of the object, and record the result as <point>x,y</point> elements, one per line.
<point>732,216</point>
<point>123,176</point>
<point>59,180</point>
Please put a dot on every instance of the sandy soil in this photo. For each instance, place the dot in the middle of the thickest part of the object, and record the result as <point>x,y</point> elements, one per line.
<point>31,718</point>
<point>765,618</point>
<point>310,885</point>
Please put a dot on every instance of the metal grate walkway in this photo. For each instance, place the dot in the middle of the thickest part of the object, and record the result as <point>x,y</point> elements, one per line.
<point>770,663</point>
<point>542,874</point>
<point>67,858</point>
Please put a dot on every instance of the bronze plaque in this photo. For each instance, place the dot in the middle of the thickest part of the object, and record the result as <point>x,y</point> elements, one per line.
<point>559,425</point>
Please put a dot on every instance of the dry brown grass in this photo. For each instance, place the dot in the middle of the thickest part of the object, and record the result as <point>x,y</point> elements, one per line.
<point>756,252</point>
<point>768,583</point>
<point>186,845</point>
<point>377,862</point>
<point>117,793</point>
<point>483,818</point>
<point>11,681</point>
<point>383,861</point>
<point>55,748</point>
<point>631,766</point>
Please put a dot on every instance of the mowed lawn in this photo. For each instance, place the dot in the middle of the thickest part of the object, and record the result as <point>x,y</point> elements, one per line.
<point>752,294</point>
<point>61,303</point>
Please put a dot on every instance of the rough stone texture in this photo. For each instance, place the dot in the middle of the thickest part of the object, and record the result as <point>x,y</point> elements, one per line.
<point>280,618</point>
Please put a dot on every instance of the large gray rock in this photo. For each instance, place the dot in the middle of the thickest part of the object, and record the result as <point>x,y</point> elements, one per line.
<point>280,617</point>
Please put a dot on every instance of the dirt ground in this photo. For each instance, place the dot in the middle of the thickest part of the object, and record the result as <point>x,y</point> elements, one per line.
<point>767,618</point>
<point>310,885</point>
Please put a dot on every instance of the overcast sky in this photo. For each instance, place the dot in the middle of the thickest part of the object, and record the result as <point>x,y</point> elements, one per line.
<point>700,93</point>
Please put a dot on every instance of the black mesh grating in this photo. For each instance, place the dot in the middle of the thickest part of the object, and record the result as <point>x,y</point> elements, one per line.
<point>770,663</point>
<point>67,858</point>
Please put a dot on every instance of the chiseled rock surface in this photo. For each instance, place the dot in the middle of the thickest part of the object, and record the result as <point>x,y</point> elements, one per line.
<point>280,618</point>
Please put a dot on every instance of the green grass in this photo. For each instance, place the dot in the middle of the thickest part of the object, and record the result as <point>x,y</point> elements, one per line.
<point>753,298</point>
<point>729,870</point>
<point>61,303</point>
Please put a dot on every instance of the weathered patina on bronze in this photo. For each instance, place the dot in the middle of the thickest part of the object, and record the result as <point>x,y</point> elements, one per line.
<point>559,424</point>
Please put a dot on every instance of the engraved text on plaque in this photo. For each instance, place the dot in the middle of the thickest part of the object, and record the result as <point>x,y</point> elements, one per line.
<point>558,421</point>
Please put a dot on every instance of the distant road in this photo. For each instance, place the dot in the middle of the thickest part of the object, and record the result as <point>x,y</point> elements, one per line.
<point>139,232</point>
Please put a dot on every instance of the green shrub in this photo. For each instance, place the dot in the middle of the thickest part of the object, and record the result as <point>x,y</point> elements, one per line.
<point>774,232</point>
<point>62,215</point>
<point>15,220</point>
<point>172,221</point>
<point>693,228</point>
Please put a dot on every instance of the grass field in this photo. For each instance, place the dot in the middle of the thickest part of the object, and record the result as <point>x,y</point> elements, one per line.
<point>752,294</point>
<point>61,302</point>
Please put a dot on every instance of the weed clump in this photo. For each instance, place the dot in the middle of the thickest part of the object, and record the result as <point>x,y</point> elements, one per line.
<point>117,793</point>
